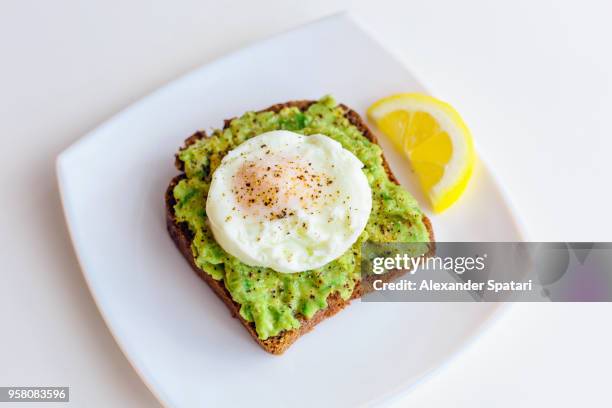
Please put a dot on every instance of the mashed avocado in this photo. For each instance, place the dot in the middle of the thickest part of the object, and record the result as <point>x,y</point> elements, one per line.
<point>270,299</point>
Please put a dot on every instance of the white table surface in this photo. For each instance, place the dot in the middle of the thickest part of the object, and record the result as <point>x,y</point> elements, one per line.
<point>533,79</point>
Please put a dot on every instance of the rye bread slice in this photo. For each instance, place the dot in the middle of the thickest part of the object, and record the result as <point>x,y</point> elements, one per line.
<point>182,237</point>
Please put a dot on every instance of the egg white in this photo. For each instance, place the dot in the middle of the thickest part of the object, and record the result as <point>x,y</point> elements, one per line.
<point>288,202</point>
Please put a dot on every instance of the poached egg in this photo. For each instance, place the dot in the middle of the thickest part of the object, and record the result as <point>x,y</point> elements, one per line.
<point>288,202</point>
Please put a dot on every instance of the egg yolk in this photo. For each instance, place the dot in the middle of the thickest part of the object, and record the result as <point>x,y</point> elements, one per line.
<point>277,188</point>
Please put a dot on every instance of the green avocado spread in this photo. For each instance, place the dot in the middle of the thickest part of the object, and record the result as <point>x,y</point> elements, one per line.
<point>273,300</point>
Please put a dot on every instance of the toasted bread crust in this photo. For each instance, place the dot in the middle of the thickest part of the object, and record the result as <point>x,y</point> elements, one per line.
<point>182,237</point>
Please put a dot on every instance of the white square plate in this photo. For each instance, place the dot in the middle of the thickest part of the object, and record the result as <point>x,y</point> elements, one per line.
<point>173,329</point>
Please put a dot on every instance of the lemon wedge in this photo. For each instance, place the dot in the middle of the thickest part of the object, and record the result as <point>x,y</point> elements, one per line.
<point>435,139</point>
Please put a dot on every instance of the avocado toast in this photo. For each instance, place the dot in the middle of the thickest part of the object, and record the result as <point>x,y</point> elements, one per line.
<point>306,298</point>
